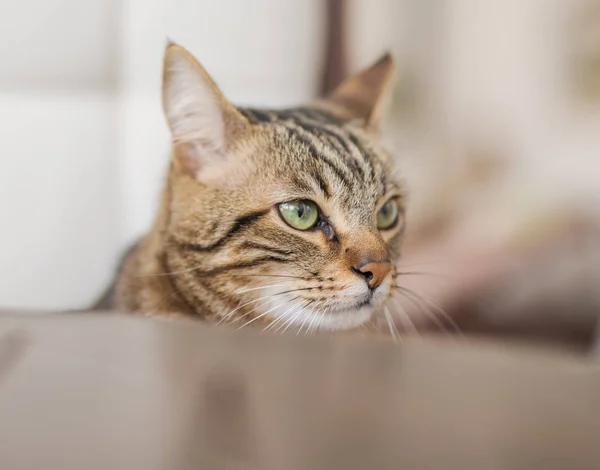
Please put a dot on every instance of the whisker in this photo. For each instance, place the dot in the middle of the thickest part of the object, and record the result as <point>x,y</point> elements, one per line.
<point>242,306</point>
<point>269,275</point>
<point>290,321</point>
<point>262,315</point>
<point>295,290</point>
<point>434,305</point>
<point>391,326</point>
<point>326,311</point>
<point>261,298</point>
<point>370,326</point>
<point>313,319</point>
<point>305,320</point>
<point>266,286</point>
<point>421,306</point>
<point>273,322</point>
<point>289,314</point>
<point>395,326</point>
<point>318,317</point>
<point>282,316</point>
<point>254,309</point>
<point>404,317</point>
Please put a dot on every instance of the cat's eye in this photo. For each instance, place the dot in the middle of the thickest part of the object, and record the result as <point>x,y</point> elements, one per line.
<point>301,215</point>
<point>388,215</point>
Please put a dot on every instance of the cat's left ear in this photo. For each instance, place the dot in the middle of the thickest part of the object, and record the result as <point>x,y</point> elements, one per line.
<point>364,95</point>
<point>204,124</point>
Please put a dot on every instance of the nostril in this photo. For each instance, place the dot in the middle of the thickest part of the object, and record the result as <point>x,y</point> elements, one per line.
<point>374,272</point>
<point>367,275</point>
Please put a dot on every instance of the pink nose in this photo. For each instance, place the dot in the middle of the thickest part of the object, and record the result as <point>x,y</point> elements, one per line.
<point>374,272</point>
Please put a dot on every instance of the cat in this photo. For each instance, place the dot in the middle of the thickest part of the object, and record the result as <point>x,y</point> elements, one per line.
<point>289,218</point>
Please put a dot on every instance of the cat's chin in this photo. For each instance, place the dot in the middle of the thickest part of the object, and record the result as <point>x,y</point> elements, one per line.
<point>340,320</point>
<point>347,320</point>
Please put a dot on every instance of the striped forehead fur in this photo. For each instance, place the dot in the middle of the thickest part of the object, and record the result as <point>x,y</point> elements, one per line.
<point>342,149</point>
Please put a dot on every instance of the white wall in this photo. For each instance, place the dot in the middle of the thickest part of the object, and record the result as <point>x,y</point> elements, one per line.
<point>83,143</point>
<point>57,151</point>
<point>506,69</point>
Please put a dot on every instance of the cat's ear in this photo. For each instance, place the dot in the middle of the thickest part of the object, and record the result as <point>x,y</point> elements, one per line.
<point>364,95</point>
<point>204,125</point>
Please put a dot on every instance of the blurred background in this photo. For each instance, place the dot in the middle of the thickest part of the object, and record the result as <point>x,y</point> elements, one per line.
<point>495,119</point>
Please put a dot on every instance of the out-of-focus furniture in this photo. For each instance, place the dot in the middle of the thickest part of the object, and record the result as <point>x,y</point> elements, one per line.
<point>104,391</point>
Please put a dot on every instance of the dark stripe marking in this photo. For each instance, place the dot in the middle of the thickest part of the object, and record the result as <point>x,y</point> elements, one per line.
<point>319,128</point>
<point>256,116</point>
<point>321,115</point>
<point>176,281</point>
<point>237,226</point>
<point>244,264</point>
<point>323,186</point>
<point>365,153</point>
<point>334,138</point>
<point>258,246</point>
<point>248,114</point>
<point>313,151</point>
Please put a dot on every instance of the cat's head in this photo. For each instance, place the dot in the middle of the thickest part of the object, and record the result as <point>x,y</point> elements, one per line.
<point>291,217</point>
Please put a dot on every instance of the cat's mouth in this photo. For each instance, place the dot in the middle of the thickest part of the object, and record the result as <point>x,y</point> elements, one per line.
<point>372,298</point>
<point>353,303</point>
<point>366,302</point>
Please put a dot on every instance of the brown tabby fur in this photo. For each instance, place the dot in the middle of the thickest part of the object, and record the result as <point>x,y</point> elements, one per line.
<point>218,230</point>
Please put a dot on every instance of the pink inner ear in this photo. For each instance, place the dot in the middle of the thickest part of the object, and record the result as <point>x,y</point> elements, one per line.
<point>186,154</point>
<point>361,95</point>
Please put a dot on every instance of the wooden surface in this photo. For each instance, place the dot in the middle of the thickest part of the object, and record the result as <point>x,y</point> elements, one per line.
<point>109,392</point>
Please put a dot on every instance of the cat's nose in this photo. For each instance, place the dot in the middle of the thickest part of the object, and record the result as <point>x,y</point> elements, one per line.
<point>374,272</point>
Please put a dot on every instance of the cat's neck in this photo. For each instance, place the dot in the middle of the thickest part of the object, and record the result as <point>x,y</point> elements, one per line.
<point>146,282</point>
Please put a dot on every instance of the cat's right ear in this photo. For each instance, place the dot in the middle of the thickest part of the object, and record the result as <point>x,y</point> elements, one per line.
<point>204,125</point>
<point>363,96</point>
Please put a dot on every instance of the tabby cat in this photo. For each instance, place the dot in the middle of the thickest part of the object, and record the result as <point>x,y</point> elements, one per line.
<point>286,219</point>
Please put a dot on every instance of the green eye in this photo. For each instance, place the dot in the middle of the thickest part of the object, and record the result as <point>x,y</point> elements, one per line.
<point>388,215</point>
<point>300,215</point>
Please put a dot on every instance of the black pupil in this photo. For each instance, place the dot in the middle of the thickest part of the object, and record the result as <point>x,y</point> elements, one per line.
<point>300,210</point>
<point>386,210</point>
